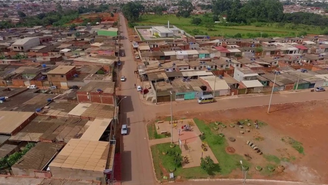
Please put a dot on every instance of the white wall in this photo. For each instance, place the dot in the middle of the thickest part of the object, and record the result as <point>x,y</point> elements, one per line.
<point>238,75</point>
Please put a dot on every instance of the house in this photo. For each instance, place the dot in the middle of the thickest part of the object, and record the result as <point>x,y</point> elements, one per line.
<point>252,86</point>
<point>83,159</point>
<point>25,44</point>
<point>97,92</point>
<point>60,75</point>
<point>34,161</point>
<point>218,86</point>
<point>242,74</point>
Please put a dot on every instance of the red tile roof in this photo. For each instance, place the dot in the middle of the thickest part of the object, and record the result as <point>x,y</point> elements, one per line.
<point>301,47</point>
<point>222,49</point>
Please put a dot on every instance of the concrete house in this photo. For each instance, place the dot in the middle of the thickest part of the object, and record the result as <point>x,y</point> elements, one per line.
<point>25,44</point>
<point>60,75</point>
<point>242,74</point>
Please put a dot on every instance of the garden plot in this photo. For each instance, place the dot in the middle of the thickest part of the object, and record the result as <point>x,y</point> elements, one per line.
<point>186,136</point>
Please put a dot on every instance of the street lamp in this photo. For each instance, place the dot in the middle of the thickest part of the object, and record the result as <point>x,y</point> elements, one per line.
<point>116,115</point>
<point>121,100</point>
<point>274,82</point>
<point>171,94</point>
<point>243,171</point>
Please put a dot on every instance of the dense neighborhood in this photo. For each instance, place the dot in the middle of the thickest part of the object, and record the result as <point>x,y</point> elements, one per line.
<point>59,101</point>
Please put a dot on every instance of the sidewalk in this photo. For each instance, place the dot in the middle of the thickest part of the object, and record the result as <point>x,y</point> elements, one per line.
<point>159,141</point>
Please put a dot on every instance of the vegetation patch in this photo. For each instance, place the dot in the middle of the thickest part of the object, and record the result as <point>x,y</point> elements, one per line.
<point>9,161</point>
<point>201,25</point>
<point>295,144</point>
<point>228,162</point>
<point>272,158</point>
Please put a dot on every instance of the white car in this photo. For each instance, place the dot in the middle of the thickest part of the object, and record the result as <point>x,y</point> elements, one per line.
<point>123,79</point>
<point>137,57</point>
<point>124,130</point>
<point>32,87</point>
<point>139,88</point>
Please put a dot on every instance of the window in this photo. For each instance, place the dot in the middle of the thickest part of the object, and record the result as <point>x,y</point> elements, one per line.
<point>62,76</point>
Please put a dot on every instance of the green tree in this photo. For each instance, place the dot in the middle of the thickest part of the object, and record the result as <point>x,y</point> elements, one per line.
<point>132,11</point>
<point>207,164</point>
<point>21,14</point>
<point>185,8</point>
<point>196,21</point>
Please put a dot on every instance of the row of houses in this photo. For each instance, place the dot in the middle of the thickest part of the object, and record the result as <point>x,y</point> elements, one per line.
<point>230,66</point>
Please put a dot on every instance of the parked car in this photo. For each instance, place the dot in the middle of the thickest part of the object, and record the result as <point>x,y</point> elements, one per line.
<point>123,79</point>
<point>320,89</point>
<point>124,130</point>
<point>32,87</point>
<point>139,88</point>
<point>137,57</point>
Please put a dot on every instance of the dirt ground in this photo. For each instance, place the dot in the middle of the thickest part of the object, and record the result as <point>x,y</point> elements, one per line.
<point>103,16</point>
<point>304,122</point>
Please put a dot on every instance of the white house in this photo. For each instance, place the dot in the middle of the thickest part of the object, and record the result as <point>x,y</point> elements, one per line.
<point>161,31</point>
<point>25,44</point>
<point>242,74</point>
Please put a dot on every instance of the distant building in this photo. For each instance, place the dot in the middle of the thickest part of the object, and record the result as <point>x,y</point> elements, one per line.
<point>25,44</point>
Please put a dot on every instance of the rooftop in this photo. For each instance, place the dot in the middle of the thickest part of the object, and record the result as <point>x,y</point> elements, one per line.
<point>216,83</point>
<point>82,154</point>
<point>90,110</point>
<point>11,120</point>
<point>95,129</point>
<point>46,128</point>
<point>38,157</point>
<point>106,87</point>
<point>61,70</point>
<point>252,83</point>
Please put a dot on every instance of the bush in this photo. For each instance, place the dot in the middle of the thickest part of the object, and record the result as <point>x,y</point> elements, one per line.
<point>196,21</point>
<point>207,164</point>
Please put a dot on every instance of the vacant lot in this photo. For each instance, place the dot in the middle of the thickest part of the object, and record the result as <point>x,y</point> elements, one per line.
<point>256,30</point>
<point>292,135</point>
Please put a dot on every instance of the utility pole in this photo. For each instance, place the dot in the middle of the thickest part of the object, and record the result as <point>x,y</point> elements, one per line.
<point>274,82</point>
<point>243,172</point>
<point>298,81</point>
<point>214,86</point>
<point>171,94</point>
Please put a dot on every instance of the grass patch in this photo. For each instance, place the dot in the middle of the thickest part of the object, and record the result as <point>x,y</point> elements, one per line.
<point>227,162</point>
<point>227,30</point>
<point>152,133</point>
<point>267,170</point>
<point>272,158</point>
<point>168,162</point>
<point>298,146</point>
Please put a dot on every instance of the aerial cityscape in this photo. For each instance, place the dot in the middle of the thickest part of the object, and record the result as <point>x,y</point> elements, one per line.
<point>154,92</point>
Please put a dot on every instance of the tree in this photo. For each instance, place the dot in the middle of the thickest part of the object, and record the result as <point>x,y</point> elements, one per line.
<point>207,164</point>
<point>21,14</point>
<point>5,15</point>
<point>132,11</point>
<point>196,21</point>
<point>185,8</point>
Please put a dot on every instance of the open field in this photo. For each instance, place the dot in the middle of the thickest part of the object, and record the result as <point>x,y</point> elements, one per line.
<point>292,135</point>
<point>247,31</point>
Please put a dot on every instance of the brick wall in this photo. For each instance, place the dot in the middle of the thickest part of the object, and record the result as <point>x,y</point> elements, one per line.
<point>95,97</point>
